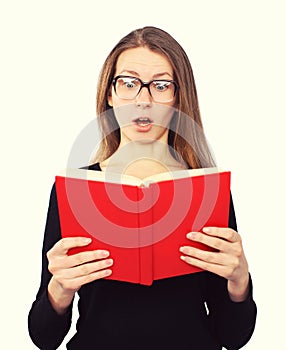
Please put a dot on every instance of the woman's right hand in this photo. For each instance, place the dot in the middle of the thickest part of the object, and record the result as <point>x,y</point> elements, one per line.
<point>70,272</point>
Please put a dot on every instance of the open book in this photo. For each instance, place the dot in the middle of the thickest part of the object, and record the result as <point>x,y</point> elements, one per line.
<point>142,223</point>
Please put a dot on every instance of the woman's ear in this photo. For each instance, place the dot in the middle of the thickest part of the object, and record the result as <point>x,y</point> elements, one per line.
<point>109,100</point>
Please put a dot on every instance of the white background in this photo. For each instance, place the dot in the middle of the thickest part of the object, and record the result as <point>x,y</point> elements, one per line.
<point>51,54</point>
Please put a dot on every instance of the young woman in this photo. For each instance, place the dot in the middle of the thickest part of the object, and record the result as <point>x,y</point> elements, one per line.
<point>149,115</point>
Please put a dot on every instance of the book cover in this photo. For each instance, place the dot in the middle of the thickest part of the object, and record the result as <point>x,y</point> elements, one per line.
<point>142,223</point>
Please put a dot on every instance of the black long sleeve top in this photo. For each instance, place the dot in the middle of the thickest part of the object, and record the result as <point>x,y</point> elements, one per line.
<point>193,311</point>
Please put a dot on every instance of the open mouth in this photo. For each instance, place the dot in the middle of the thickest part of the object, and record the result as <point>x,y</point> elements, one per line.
<point>142,121</point>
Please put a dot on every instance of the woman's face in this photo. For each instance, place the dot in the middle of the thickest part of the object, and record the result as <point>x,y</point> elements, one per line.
<point>142,118</point>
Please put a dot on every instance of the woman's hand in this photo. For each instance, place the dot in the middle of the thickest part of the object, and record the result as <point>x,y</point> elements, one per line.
<point>70,272</point>
<point>227,261</point>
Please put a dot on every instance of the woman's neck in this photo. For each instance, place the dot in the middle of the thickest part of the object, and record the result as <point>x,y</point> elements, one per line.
<point>142,159</point>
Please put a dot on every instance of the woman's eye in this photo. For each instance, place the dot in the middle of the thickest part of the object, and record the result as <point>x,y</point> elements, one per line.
<point>130,84</point>
<point>161,86</point>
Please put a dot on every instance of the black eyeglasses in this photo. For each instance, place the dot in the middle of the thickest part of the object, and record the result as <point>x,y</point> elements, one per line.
<point>127,88</point>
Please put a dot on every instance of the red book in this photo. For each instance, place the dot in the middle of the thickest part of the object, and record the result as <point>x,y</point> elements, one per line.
<point>142,223</point>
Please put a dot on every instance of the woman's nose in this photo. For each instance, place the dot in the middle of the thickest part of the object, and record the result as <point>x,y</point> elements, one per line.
<point>144,97</point>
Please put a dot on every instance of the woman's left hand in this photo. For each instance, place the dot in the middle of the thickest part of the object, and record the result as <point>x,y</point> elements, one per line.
<point>227,261</point>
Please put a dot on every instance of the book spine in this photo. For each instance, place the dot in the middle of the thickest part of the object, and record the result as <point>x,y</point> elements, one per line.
<point>145,235</point>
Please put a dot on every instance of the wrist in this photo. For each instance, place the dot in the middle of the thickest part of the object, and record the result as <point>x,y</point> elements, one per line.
<point>238,290</point>
<point>58,297</point>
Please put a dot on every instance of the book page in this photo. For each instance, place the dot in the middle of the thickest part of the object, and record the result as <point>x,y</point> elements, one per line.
<point>110,177</point>
<point>101,176</point>
<point>180,174</point>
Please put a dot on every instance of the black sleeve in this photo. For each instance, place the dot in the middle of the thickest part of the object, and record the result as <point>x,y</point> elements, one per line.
<point>47,329</point>
<point>232,323</point>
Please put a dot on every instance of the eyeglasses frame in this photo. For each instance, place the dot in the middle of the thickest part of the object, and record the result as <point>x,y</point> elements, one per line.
<point>143,84</point>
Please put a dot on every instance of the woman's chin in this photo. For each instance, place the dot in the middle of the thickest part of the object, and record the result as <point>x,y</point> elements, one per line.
<point>144,134</point>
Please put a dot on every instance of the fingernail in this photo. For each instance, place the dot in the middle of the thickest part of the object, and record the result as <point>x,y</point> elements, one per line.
<point>109,262</point>
<point>182,249</point>
<point>191,235</point>
<point>206,229</point>
<point>104,253</point>
<point>86,240</point>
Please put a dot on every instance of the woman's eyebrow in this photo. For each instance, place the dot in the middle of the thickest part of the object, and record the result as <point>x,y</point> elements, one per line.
<point>132,72</point>
<point>136,74</point>
<point>158,75</point>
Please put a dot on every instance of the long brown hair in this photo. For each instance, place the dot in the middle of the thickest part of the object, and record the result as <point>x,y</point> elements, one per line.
<point>186,137</point>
